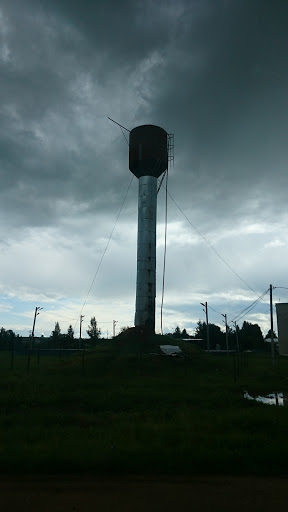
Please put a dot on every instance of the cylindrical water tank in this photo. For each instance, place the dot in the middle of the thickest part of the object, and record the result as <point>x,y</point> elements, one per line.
<point>148,151</point>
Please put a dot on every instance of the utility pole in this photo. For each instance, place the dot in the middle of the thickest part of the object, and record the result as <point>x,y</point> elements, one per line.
<point>31,343</point>
<point>226,333</point>
<point>271,324</point>
<point>207,323</point>
<point>80,337</point>
<point>83,351</point>
<point>114,327</point>
<point>238,351</point>
<point>237,337</point>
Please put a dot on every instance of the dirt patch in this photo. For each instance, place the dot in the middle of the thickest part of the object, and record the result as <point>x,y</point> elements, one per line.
<point>138,494</point>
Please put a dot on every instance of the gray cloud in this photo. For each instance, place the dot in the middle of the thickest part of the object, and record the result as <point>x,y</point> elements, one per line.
<point>218,82</point>
<point>213,72</point>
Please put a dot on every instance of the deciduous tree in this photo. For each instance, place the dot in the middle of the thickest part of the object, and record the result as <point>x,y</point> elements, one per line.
<point>70,332</point>
<point>251,336</point>
<point>268,335</point>
<point>216,336</point>
<point>93,330</point>
<point>177,332</point>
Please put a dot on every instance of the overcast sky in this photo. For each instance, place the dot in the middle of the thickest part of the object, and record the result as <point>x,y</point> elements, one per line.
<point>214,73</point>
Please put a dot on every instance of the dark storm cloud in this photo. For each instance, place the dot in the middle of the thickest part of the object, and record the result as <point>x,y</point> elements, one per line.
<point>211,71</point>
<point>225,94</point>
<point>32,87</point>
<point>218,81</point>
<point>54,50</point>
<point>125,32</point>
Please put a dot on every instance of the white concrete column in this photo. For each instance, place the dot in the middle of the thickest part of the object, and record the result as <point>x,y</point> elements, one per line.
<point>146,253</point>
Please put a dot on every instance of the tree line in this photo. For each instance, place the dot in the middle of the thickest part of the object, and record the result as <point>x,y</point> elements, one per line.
<point>68,340</point>
<point>250,336</point>
<point>57,339</point>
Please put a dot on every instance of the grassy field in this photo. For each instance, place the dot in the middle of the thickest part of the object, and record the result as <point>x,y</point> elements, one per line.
<point>136,412</point>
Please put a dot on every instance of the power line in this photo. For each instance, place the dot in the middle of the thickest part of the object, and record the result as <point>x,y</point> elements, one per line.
<point>244,310</point>
<point>121,126</point>
<point>105,249</point>
<point>124,135</point>
<point>188,309</point>
<point>160,181</point>
<point>249,308</point>
<point>210,307</point>
<point>211,247</point>
<point>59,316</point>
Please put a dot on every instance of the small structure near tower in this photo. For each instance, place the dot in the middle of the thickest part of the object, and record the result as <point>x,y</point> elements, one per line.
<point>282,322</point>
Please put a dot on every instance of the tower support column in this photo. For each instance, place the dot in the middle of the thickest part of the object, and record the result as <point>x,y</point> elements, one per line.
<point>146,253</point>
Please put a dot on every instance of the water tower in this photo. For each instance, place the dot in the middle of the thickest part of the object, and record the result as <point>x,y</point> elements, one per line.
<point>148,159</point>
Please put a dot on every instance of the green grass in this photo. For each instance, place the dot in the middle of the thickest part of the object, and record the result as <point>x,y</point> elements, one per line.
<point>135,412</point>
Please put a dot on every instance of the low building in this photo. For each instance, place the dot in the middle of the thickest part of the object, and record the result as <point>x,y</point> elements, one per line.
<point>282,321</point>
<point>171,350</point>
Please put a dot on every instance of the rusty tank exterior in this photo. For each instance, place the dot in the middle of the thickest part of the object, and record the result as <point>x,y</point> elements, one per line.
<point>148,151</point>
